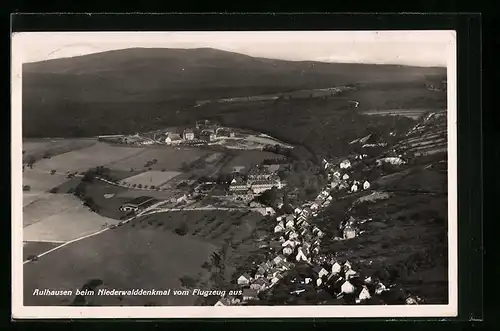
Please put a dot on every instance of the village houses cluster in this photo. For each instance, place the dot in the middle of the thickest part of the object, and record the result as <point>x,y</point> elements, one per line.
<point>298,241</point>
<point>204,132</point>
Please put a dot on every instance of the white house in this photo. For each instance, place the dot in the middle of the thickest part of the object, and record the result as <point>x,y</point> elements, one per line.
<point>290,224</point>
<point>173,139</point>
<point>366,185</point>
<point>223,302</point>
<point>307,280</point>
<point>336,268</point>
<point>301,256</point>
<point>319,281</point>
<point>347,265</point>
<point>411,301</point>
<point>287,249</point>
<point>368,280</point>
<point>297,211</point>
<point>345,164</point>
<point>347,287</point>
<point>345,177</point>
<point>244,279</point>
<point>315,250</point>
<point>314,206</point>
<point>380,288</point>
<point>321,271</point>
<point>354,188</point>
<point>270,211</point>
<point>279,228</point>
<point>293,235</point>
<point>279,218</point>
<point>364,294</point>
<point>288,243</point>
<point>336,174</point>
<point>349,232</point>
<point>329,198</point>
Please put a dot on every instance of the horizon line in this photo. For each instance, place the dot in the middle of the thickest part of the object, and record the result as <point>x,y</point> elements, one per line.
<point>318,60</point>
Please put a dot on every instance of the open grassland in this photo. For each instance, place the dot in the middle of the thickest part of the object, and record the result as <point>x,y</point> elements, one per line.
<point>47,205</point>
<point>67,225</point>
<point>151,178</point>
<point>86,158</point>
<point>123,258</point>
<point>168,158</point>
<point>38,148</point>
<point>34,248</point>
<point>213,226</point>
<point>29,197</point>
<point>40,181</point>
<point>60,217</point>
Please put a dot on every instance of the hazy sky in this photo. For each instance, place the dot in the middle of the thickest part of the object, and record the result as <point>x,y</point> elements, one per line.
<point>421,48</point>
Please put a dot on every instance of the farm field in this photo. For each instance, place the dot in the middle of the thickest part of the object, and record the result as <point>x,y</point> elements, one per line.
<point>151,178</point>
<point>122,258</point>
<point>40,182</point>
<point>247,159</point>
<point>70,224</point>
<point>47,205</point>
<point>37,148</point>
<point>29,197</point>
<point>100,154</point>
<point>35,248</point>
<point>60,217</point>
<point>167,159</point>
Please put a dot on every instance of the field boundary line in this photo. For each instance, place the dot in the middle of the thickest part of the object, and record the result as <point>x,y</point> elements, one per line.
<point>70,242</point>
<point>141,151</point>
<point>59,212</point>
<point>45,241</point>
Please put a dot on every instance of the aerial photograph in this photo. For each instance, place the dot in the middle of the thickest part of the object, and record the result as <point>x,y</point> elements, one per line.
<point>233,169</point>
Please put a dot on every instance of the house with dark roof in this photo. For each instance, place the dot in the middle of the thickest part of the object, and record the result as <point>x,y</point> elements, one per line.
<point>249,294</point>
<point>138,203</point>
<point>259,284</point>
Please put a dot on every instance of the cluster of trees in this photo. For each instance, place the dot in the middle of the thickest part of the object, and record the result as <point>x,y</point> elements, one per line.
<point>305,176</point>
<point>30,161</point>
<point>150,163</point>
<point>197,164</point>
<point>182,229</point>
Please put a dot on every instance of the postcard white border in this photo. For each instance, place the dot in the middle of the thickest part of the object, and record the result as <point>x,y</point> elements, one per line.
<point>31,312</point>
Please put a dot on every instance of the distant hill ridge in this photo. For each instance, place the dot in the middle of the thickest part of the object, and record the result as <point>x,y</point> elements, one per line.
<point>138,85</point>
